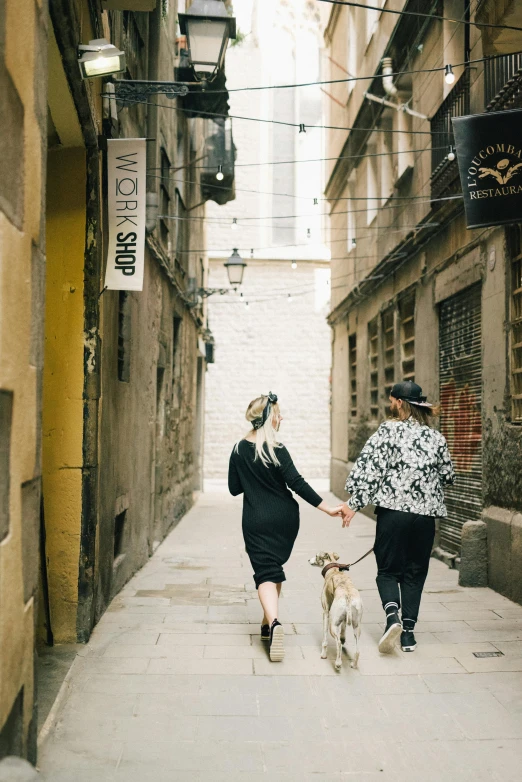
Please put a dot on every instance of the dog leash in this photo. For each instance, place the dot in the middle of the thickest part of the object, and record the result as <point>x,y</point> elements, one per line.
<point>341,567</point>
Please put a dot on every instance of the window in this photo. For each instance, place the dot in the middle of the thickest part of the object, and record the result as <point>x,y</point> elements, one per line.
<point>373,344</point>
<point>124,336</point>
<point>404,143</point>
<point>351,238</point>
<point>516,325</point>
<point>6,414</point>
<point>165,202</point>
<point>407,317</point>
<point>182,235</point>
<point>176,359</point>
<point>386,144</point>
<point>119,527</point>
<point>351,65</point>
<point>388,338</point>
<point>352,358</point>
<point>135,33</point>
<point>371,17</point>
<point>371,187</point>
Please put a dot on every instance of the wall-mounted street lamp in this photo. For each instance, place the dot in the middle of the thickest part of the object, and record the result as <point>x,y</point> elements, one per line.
<point>208,28</point>
<point>100,58</point>
<point>235,267</point>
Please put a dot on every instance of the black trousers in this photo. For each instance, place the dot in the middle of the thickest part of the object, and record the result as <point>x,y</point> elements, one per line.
<point>403,544</point>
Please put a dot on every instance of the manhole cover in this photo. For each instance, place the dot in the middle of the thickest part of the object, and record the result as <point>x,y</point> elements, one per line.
<point>488,654</point>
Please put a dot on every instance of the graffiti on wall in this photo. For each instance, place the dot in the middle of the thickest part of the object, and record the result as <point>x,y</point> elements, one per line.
<point>461,423</point>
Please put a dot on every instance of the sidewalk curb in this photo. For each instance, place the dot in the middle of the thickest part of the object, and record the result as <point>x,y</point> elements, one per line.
<point>63,692</point>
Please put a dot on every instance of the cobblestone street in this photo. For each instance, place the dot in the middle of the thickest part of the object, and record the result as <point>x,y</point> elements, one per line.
<point>175,684</point>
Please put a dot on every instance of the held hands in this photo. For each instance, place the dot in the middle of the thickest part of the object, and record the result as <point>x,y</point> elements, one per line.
<point>347,514</point>
<point>344,511</point>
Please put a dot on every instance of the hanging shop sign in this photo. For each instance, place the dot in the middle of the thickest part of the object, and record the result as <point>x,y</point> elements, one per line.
<point>126,175</point>
<point>489,153</point>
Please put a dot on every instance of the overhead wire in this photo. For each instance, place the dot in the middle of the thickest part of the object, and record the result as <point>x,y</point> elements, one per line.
<point>175,181</point>
<point>135,101</point>
<point>310,160</point>
<point>423,15</point>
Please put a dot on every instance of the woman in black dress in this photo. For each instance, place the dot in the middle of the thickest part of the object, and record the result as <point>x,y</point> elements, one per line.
<point>261,469</point>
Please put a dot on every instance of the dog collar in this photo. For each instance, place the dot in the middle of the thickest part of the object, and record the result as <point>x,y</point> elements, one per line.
<point>331,565</point>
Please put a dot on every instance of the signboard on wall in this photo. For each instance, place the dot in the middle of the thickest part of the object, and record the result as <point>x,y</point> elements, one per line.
<point>489,154</point>
<point>126,176</point>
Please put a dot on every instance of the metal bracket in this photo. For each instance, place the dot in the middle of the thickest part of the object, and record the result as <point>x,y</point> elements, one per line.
<point>206,292</point>
<point>397,106</point>
<point>128,89</point>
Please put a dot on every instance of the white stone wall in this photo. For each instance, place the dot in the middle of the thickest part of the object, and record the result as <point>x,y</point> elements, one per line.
<point>271,345</point>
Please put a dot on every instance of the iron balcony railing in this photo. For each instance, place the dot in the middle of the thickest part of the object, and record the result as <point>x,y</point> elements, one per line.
<point>456,104</point>
<point>503,81</point>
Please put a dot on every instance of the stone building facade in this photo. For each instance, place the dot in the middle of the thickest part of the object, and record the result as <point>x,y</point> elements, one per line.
<point>274,343</point>
<point>101,401</point>
<point>416,294</point>
<point>23,56</point>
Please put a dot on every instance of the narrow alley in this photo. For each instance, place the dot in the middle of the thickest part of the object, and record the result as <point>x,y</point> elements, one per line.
<point>176,685</point>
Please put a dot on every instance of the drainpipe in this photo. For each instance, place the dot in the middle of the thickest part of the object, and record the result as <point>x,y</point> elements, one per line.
<point>391,90</point>
<point>387,78</point>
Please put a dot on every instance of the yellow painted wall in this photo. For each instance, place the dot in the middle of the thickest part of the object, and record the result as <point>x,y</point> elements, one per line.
<point>16,372</point>
<point>63,384</point>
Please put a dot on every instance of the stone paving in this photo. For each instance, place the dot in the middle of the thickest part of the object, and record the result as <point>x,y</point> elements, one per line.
<point>175,684</point>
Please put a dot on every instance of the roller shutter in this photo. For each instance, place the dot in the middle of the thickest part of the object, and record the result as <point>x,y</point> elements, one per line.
<point>461,399</point>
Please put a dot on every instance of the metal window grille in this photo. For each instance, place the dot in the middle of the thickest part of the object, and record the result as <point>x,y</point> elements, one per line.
<point>388,338</point>
<point>134,35</point>
<point>352,358</point>
<point>407,331</point>
<point>444,173</point>
<point>165,200</point>
<point>516,325</point>
<point>373,340</point>
<point>460,375</point>
<point>503,81</point>
<point>124,337</point>
<point>176,359</point>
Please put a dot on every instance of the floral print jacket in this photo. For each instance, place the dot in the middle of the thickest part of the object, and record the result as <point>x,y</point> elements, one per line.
<point>404,467</point>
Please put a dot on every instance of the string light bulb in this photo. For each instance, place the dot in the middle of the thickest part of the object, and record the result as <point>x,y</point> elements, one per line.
<point>449,76</point>
<point>451,154</point>
<point>354,243</point>
<point>294,265</point>
<point>252,253</point>
<point>234,224</point>
<point>308,233</point>
<point>289,298</point>
<point>219,174</point>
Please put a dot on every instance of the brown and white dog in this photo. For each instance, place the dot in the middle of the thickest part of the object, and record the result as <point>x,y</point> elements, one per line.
<point>342,605</point>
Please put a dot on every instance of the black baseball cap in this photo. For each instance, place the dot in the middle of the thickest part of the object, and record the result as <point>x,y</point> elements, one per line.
<point>410,392</point>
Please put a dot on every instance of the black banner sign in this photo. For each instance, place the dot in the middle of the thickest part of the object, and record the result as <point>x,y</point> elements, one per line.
<point>489,153</point>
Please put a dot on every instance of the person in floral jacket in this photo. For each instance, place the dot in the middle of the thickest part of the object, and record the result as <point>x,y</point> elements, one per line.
<point>402,470</point>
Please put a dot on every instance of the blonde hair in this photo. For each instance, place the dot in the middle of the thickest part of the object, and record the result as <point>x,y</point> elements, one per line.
<point>266,434</point>
<point>423,415</point>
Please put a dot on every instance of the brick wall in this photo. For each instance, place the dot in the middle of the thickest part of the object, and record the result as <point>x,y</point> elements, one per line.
<point>272,345</point>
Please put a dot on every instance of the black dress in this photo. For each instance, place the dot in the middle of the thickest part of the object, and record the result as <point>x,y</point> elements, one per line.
<point>270,513</point>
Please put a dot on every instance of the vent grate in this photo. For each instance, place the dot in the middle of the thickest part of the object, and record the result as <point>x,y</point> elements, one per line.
<point>488,654</point>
